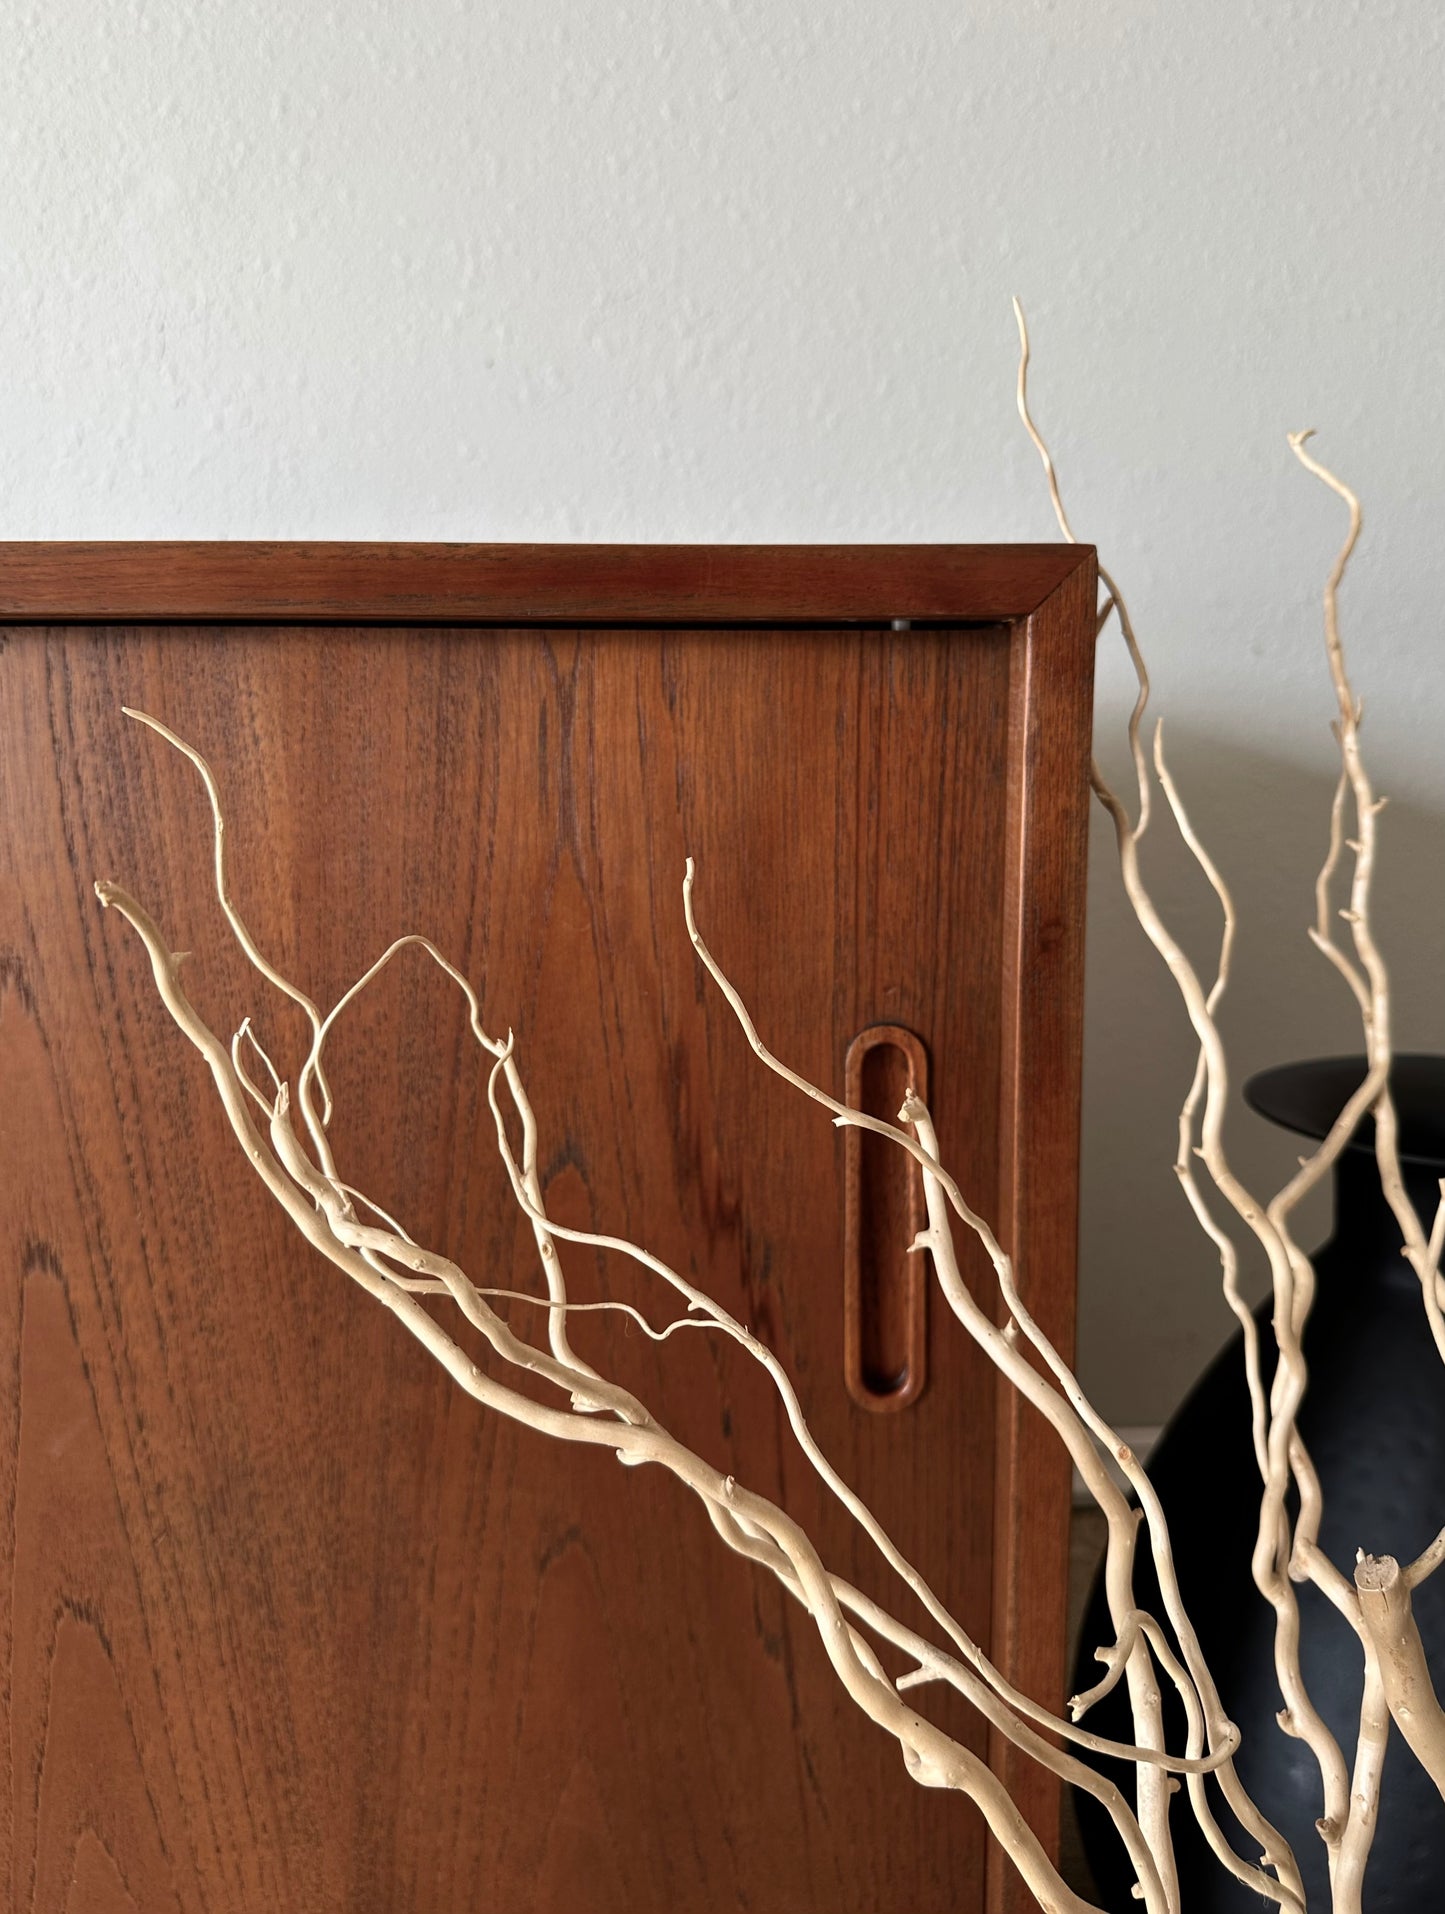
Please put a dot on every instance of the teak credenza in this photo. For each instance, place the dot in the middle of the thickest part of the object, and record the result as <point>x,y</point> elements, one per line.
<point>292,1623</point>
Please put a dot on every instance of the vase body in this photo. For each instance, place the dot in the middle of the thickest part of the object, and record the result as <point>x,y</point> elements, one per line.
<point>1373,1420</point>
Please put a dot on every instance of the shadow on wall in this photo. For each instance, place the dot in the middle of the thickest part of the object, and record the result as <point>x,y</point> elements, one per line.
<point>1151,1312</point>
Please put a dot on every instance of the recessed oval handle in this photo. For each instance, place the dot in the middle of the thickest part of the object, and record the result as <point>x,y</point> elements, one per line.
<point>885,1334</point>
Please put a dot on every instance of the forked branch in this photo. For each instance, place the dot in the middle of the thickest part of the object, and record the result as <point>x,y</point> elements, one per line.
<point>282,1122</point>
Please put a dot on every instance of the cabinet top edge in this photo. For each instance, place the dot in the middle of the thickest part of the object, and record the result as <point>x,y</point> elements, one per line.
<point>65,582</point>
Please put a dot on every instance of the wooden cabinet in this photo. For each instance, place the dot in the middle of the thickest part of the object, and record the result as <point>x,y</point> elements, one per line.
<point>289,1621</point>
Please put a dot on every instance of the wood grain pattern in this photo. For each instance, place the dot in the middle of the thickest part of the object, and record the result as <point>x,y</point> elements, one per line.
<point>533,584</point>
<point>289,1621</point>
<point>1040,1080</point>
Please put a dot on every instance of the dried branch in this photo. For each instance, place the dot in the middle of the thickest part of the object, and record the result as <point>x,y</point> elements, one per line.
<point>1288,1549</point>
<point>1409,1692</point>
<point>295,1161</point>
<point>1078,1426</point>
<point>393,1267</point>
<point>1268,1562</point>
<point>1368,976</point>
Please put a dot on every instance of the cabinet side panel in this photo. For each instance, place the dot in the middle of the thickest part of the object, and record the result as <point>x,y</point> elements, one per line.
<point>1043,967</point>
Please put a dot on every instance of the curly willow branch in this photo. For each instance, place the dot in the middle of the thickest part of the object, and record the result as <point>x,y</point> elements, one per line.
<point>1288,1547</point>
<point>581,1405</point>
<point>386,1261</point>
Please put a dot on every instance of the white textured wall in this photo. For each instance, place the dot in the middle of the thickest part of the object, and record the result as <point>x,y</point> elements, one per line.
<point>686,270</point>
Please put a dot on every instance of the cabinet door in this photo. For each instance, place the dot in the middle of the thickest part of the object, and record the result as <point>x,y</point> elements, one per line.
<point>294,1623</point>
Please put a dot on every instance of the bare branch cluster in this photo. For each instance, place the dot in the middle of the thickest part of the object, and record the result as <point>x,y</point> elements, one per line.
<point>1287,1548</point>
<point>283,1126</point>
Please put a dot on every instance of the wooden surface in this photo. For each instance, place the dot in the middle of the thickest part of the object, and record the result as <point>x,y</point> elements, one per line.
<point>533,584</point>
<point>292,1623</point>
<point>885,1285</point>
<point>1041,1043</point>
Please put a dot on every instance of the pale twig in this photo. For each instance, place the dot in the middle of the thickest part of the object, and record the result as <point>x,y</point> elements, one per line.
<point>1376,1009</point>
<point>1347,1822</point>
<point>1357,1836</point>
<point>1114,599</point>
<point>1272,1550</point>
<point>1426,1562</point>
<point>1190,1677</point>
<point>223,895</point>
<point>608,1304</point>
<point>1185,1158</point>
<point>934,1665</point>
<point>501,1051</point>
<point>1267,1562</point>
<point>1404,1674</point>
<point>245,1034</point>
<point>937,1665</point>
<point>313,1069</point>
<point>1321,934</point>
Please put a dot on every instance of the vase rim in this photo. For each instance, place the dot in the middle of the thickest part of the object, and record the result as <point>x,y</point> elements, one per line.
<point>1306,1097</point>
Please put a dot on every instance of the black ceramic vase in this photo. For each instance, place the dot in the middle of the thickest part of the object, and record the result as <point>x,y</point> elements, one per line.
<point>1374,1422</point>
